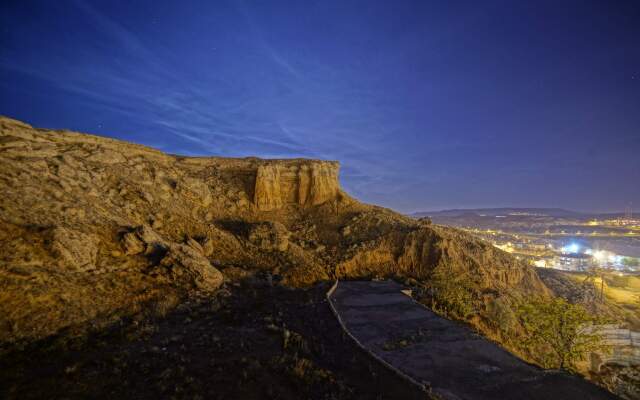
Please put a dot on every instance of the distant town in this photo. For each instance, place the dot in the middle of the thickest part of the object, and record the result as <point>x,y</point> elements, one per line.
<point>553,238</point>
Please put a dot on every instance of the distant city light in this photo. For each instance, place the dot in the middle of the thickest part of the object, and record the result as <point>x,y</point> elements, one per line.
<point>570,254</point>
<point>540,263</point>
<point>600,255</point>
<point>572,248</point>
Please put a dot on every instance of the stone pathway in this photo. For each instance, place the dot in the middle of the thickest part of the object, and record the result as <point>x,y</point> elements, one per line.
<point>446,356</point>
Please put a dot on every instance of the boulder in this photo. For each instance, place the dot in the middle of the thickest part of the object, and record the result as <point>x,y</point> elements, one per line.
<point>186,265</point>
<point>132,244</point>
<point>271,236</point>
<point>195,245</point>
<point>142,239</point>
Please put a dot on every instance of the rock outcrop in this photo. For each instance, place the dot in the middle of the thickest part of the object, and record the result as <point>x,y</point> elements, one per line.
<point>617,366</point>
<point>269,236</point>
<point>382,245</point>
<point>267,193</point>
<point>186,264</point>
<point>308,183</point>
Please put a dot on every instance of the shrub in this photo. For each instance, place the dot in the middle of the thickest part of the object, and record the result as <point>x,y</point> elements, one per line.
<point>451,295</point>
<point>502,316</point>
<point>566,330</point>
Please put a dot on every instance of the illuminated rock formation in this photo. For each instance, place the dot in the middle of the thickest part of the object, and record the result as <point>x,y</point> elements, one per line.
<point>267,193</point>
<point>301,182</point>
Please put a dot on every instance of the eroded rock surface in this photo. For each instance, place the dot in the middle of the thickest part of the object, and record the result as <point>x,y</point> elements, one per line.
<point>269,236</point>
<point>308,183</point>
<point>94,229</point>
<point>74,249</point>
<point>188,266</point>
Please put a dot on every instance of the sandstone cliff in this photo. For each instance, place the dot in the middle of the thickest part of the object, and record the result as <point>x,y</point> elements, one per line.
<point>307,183</point>
<point>94,229</point>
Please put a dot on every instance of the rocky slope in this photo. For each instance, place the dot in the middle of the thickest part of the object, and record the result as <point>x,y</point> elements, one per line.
<point>94,229</point>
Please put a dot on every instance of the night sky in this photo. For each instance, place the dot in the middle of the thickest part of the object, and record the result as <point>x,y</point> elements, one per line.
<point>426,104</point>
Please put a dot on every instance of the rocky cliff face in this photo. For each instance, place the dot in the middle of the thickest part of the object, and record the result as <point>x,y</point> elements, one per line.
<point>94,229</point>
<point>303,183</point>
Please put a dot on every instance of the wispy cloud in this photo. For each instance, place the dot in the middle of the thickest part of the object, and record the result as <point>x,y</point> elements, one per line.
<point>264,44</point>
<point>271,104</point>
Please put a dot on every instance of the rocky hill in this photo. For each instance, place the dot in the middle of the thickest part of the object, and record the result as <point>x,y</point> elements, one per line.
<point>94,229</point>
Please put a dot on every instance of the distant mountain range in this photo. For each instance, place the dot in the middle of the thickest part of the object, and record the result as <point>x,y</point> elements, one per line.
<point>492,212</point>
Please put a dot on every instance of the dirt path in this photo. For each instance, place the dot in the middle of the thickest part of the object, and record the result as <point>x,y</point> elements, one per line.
<point>446,356</point>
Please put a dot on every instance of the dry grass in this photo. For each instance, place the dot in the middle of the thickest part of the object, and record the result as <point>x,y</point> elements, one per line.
<point>620,289</point>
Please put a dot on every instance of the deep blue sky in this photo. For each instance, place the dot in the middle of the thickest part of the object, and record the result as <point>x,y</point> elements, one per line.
<point>427,104</point>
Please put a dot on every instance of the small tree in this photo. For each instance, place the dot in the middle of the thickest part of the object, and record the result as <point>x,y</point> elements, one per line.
<point>564,328</point>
